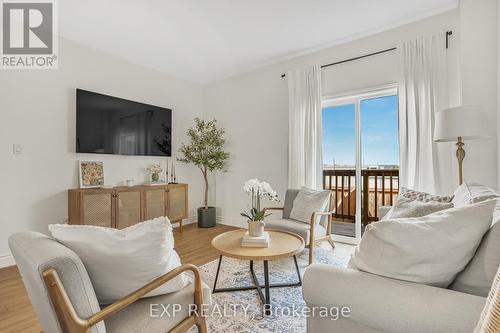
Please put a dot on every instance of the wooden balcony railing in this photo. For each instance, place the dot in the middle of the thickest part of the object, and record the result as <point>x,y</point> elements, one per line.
<point>380,187</point>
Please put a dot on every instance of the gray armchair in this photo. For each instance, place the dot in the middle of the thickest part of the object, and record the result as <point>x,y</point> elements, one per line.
<point>311,231</point>
<point>64,300</point>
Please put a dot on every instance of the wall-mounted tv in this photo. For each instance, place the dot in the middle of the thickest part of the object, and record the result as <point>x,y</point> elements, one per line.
<point>111,125</point>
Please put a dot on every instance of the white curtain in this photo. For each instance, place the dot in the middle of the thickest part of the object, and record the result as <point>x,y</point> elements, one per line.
<point>305,161</point>
<point>423,90</point>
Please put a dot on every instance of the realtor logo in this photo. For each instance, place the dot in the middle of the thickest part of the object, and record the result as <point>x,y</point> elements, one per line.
<point>29,36</point>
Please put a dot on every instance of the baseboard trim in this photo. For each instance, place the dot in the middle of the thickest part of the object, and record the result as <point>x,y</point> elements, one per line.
<point>7,260</point>
<point>187,221</point>
<point>231,222</point>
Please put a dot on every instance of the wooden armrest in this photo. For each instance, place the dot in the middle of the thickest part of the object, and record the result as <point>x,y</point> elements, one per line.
<point>322,213</point>
<point>273,208</point>
<point>71,322</point>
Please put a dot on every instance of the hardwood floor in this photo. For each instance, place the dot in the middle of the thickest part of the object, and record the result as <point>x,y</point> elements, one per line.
<point>193,245</point>
<point>17,315</point>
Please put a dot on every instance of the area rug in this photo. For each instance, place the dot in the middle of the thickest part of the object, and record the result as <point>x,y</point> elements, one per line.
<point>241,311</point>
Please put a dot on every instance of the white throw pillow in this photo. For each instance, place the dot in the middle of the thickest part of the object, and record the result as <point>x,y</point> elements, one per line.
<point>429,250</point>
<point>419,196</point>
<point>121,261</point>
<point>422,196</point>
<point>405,208</point>
<point>308,201</point>
<point>468,193</point>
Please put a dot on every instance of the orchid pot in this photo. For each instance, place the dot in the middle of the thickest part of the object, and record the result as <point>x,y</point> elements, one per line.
<point>257,190</point>
<point>256,228</point>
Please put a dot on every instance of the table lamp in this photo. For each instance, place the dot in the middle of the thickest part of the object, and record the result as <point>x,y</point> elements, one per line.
<point>459,124</point>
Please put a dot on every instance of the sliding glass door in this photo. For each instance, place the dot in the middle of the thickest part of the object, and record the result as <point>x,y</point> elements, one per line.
<point>360,157</point>
<point>339,163</point>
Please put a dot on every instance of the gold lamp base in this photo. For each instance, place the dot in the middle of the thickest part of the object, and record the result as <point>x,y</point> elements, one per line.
<point>460,157</point>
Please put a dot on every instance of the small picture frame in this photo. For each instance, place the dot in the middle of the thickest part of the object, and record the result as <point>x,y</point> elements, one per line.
<point>91,174</point>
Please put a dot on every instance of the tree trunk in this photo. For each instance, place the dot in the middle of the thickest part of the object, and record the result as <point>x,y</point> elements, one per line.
<point>206,187</point>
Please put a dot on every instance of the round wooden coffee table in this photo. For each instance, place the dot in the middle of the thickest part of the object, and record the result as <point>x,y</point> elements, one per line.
<point>282,244</point>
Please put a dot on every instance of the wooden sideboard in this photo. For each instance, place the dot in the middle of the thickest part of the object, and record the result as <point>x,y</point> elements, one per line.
<point>121,207</point>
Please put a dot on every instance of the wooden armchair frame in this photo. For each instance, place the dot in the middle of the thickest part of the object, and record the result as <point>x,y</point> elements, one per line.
<point>312,223</point>
<point>71,323</point>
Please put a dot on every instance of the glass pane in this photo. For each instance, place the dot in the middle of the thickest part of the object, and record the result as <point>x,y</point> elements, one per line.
<point>380,153</point>
<point>339,160</point>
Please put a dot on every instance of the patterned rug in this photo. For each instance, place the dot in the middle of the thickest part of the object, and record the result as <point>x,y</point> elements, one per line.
<point>241,311</point>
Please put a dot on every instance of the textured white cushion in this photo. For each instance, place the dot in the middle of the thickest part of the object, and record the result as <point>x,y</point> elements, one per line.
<point>307,202</point>
<point>422,196</point>
<point>404,208</point>
<point>136,318</point>
<point>429,250</point>
<point>468,193</point>
<point>121,261</point>
<point>299,228</point>
<point>406,194</point>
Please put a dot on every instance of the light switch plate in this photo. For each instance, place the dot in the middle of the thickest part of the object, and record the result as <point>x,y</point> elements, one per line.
<point>17,148</point>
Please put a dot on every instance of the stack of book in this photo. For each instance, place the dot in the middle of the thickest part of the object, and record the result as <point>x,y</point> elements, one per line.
<point>261,241</point>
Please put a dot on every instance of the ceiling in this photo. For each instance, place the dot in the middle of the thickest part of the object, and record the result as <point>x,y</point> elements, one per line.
<point>207,40</point>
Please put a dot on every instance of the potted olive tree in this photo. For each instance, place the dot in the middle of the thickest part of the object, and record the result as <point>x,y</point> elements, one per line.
<point>206,151</point>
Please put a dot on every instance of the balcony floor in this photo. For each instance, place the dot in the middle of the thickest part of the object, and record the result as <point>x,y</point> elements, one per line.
<point>343,228</point>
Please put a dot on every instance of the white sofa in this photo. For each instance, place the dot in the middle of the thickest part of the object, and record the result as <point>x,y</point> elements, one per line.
<point>379,304</point>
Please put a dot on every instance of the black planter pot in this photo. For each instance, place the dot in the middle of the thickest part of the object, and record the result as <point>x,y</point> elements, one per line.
<point>206,217</point>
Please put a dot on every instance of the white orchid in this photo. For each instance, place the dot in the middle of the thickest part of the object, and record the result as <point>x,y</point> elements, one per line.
<point>258,190</point>
<point>273,196</point>
<point>251,185</point>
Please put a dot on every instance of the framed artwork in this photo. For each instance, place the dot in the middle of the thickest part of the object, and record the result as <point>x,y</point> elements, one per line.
<point>91,174</point>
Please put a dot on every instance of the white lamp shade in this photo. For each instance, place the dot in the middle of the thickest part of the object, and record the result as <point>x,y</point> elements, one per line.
<point>467,122</point>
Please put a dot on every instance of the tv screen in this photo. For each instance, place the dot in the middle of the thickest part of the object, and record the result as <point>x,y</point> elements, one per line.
<point>111,125</point>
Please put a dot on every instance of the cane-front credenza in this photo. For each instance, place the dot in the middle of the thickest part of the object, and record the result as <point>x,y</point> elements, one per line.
<point>120,207</point>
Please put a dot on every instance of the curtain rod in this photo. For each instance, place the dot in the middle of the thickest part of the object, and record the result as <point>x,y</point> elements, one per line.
<point>448,34</point>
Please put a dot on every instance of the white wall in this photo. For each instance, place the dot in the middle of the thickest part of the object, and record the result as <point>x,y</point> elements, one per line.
<point>37,110</point>
<point>478,21</point>
<point>253,107</point>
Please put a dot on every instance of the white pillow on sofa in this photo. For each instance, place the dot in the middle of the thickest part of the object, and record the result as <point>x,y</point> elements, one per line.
<point>417,198</point>
<point>470,192</point>
<point>405,208</point>
<point>422,196</point>
<point>121,261</point>
<point>428,250</point>
<point>307,202</point>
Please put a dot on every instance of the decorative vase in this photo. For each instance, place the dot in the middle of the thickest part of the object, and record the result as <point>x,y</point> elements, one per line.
<point>256,228</point>
<point>155,177</point>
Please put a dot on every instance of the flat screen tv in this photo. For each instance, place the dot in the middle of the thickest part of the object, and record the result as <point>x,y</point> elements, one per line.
<point>111,125</point>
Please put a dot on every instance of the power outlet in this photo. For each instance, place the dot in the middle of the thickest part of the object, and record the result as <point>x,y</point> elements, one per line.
<point>64,220</point>
<point>17,148</point>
